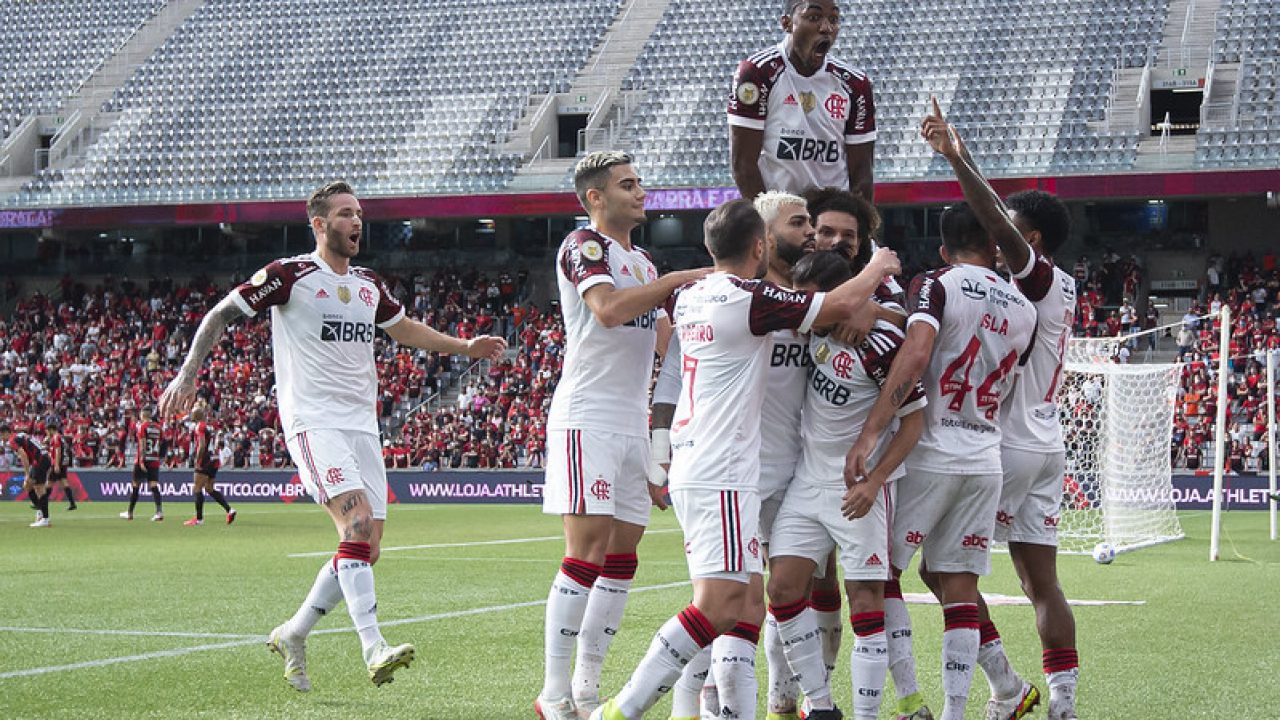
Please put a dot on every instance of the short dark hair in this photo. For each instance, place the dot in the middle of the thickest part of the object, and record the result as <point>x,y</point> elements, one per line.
<point>731,229</point>
<point>1044,212</point>
<point>318,203</point>
<point>592,172</point>
<point>825,270</point>
<point>831,199</point>
<point>961,231</point>
<point>5,427</point>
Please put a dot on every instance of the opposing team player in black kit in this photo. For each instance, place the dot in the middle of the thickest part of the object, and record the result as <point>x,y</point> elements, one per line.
<point>35,469</point>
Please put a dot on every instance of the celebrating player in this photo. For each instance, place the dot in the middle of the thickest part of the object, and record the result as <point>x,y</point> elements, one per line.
<point>845,222</point>
<point>798,118</point>
<point>966,332</point>
<point>824,509</point>
<point>597,427</point>
<point>149,438</point>
<point>205,467</point>
<point>1029,227</point>
<point>724,323</point>
<point>35,470</point>
<point>324,312</point>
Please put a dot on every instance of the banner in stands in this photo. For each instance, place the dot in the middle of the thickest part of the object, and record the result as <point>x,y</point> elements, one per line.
<point>1190,492</point>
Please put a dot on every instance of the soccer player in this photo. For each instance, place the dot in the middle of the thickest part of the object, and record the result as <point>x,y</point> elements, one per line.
<point>965,334</point>
<point>724,323</point>
<point>1028,227</point>
<point>35,470</point>
<point>149,437</point>
<point>205,467</point>
<point>824,509</point>
<point>798,118</point>
<point>324,311</point>
<point>597,427</point>
<point>59,457</point>
<point>845,222</point>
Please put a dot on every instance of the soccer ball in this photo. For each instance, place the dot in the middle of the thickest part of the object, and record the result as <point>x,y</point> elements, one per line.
<point>1104,553</point>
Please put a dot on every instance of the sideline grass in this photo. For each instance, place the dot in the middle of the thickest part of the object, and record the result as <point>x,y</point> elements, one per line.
<point>1196,649</point>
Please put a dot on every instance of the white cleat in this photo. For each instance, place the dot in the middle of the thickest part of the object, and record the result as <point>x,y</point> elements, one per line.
<point>385,660</point>
<point>40,522</point>
<point>294,653</point>
<point>562,709</point>
<point>1016,707</point>
<point>126,515</point>
<point>585,706</point>
<point>158,517</point>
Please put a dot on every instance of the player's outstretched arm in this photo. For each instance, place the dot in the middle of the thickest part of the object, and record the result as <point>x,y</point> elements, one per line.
<point>907,368</point>
<point>862,490</point>
<point>418,334</point>
<point>851,294</point>
<point>613,307</point>
<point>983,198</point>
<point>744,159</point>
<point>181,392</point>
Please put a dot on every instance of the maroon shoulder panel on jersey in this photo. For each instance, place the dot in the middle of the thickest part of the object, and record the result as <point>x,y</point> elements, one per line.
<point>927,295</point>
<point>585,254</point>
<point>772,307</point>
<point>752,85</point>
<point>877,353</point>
<point>1037,283</point>
<point>272,284</point>
<point>388,305</point>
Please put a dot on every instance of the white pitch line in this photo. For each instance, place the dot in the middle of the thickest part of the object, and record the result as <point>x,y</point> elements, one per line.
<point>251,640</point>
<point>128,633</point>
<point>476,543</point>
<point>532,561</point>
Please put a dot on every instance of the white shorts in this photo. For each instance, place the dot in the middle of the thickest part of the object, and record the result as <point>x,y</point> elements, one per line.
<point>332,462</point>
<point>1031,499</point>
<point>592,472</point>
<point>951,516</point>
<point>720,538</point>
<point>774,479</point>
<point>809,525</point>
<point>768,515</point>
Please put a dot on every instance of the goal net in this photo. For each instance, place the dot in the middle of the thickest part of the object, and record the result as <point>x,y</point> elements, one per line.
<point>1117,420</point>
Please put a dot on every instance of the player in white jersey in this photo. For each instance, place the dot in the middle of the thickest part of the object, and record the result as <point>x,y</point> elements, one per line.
<point>844,222</point>
<point>798,118</point>
<point>1028,227</point>
<point>723,323</point>
<point>967,330</point>
<point>597,428</point>
<point>323,314</point>
<point>825,510</point>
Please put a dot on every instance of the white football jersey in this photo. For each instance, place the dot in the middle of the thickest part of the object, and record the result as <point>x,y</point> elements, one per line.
<point>842,389</point>
<point>807,121</point>
<point>604,384</point>
<point>724,325</point>
<point>1029,418</point>
<point>984,326</point>
<point>322,329</point>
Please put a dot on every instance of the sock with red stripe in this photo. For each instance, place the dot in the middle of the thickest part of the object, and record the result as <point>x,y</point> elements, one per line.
<point>868,664</point>
<point>902,659</point>
<point>733,665</point>
<point>1004,682</point>
<point>324,596</point>
<point>959,655</point>
<point>686,701</point>
<point>1061,673</point>
<point>565,607</point>
<point>802,644</point>
<point>675,644</point>
<point>600,622</point>
<point>783,690</point>
<point>355,577</point>
<point>826,609</point>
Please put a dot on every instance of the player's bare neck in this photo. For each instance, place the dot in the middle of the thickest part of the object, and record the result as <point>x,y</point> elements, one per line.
<point>745,269</point>
<point>777,278</point>
<point>801,65</point>
<point>338,264</point>
<point>620,234</point>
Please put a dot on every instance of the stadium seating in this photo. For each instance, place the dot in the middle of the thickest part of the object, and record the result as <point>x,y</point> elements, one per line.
<point>1248,32</point>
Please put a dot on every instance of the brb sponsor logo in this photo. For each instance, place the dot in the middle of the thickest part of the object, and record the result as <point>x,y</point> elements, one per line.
<point>789,355</point>
<point>647,321</point>
<point>345,331</point>
<point>808,149</point>
<point>975,541</point>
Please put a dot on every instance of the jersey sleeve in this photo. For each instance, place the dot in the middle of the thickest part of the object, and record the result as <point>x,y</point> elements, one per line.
<point>749,99</point>
<point>389,311</point>
<point>666,390</point>
<point>926,300</point>
<point>860,126</point>
<point>1036,279</point>
<point>877,354</point>
<point>268,287</point>
<point>774,308</point>
<point>584,258</point>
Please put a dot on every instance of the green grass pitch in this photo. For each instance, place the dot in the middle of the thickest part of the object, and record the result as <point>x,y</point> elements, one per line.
<point>87,604</point>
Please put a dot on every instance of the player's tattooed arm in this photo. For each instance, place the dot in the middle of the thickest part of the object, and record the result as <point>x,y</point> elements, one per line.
<point>181,393</point>
<point>908,367</point>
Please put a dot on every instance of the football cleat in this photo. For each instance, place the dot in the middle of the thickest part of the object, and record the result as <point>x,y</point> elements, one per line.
<point>608,711</point>
<point>562,709</point>
<point>40,522</point>
<point>193,521</point>
<point>126,515</point>
<point>832,714</point>
<point>231,516</point>
<point>294,653</point>
<point>384,660</point>
<point>158,517</point>
<point>922,713</point>
<point>585,706</point>
<point>1015,707</point>
<point>782,716</point>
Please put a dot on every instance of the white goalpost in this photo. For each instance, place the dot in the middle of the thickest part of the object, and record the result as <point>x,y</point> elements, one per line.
<point>1273,358</point>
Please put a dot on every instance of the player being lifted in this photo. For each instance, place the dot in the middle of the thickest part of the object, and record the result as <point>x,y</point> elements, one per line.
<point>827,509</point>
<point>205,467</point>
<point>149,439</point>
<point>597,427</point>
<point>965,334</point>
<point>35,470</point>
<point>1028,227</point>
<point>799,118</point>
<point>724,323</point>
<point>324,312</point>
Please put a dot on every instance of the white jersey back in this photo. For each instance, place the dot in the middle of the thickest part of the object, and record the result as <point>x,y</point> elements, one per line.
<point>807,121</point>
<point>604,384</point>
<point>1029,418</point>
<point>322,329</point>
<point>984,326</point>
<point>724,325</point>
<point>843,387</point>
<point>783,400</point>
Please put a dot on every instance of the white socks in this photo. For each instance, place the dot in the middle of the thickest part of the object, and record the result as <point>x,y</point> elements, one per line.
<point>565,607</point>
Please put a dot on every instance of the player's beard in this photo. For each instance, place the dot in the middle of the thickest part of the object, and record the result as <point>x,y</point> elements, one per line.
<point>788,253</point>
<point>338,244</point>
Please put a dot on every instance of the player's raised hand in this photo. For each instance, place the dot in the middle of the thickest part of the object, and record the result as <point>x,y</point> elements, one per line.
<point>486,347</point>
<point>855,328</point>
<point>938,133</point>
<point>886,261</point>
<point>178,398</point>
